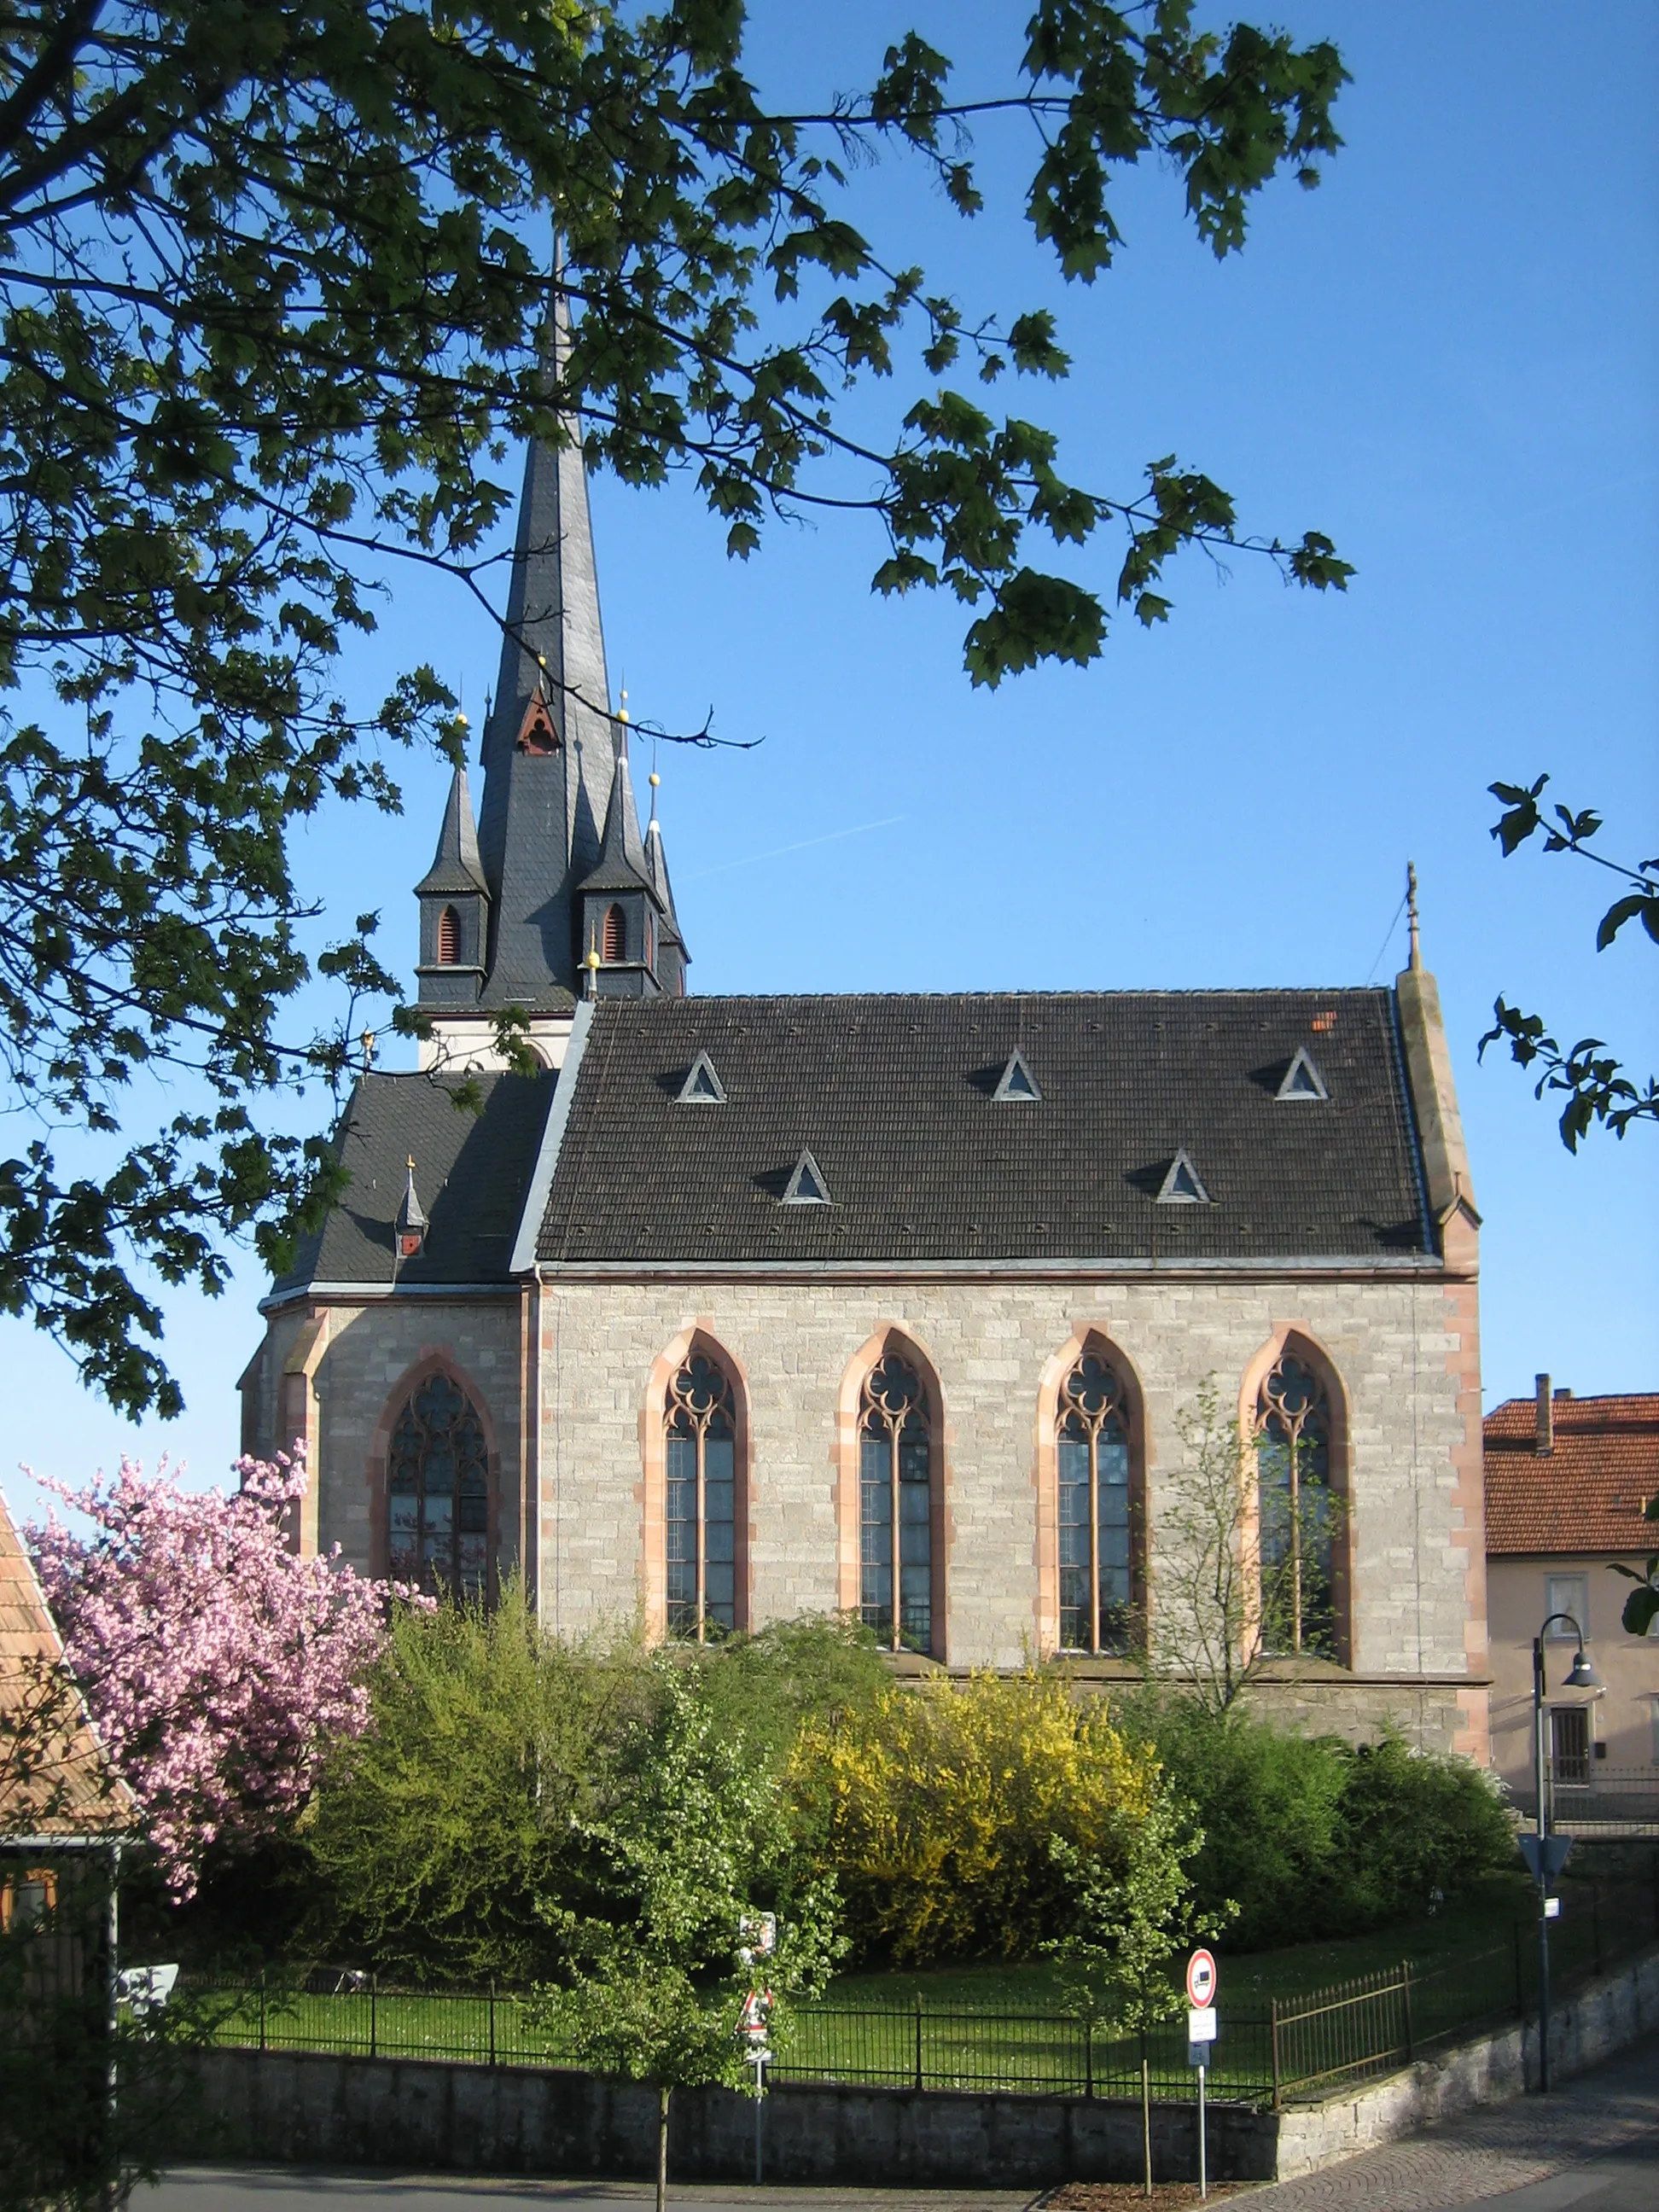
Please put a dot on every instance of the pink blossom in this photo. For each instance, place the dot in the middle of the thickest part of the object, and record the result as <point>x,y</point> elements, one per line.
<point>215,1661</point>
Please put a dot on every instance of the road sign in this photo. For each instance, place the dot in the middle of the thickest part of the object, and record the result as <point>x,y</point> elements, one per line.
<point>758,1932</point>
<point>1544,1855</point>
<point>1201,2024</point>
<point>1201,1980</point>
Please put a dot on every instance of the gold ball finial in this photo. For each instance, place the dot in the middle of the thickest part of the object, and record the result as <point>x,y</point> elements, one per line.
<point>591,960</point>
<point>622,711</point>
<point>654,779</point>
<point>541,660</point>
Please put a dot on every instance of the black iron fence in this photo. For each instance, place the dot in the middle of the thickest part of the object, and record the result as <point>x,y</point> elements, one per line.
<point>1588,1799</point>
<point>1269,2052</point>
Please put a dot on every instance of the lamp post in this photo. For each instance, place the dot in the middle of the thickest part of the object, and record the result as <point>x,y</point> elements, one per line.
<point>1581,1675</point>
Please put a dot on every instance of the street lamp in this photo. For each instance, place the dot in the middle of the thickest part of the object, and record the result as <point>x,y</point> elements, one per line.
<point>1549,1853</point>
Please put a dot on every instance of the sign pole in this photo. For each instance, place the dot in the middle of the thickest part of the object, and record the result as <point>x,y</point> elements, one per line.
<point>1203,2179</point>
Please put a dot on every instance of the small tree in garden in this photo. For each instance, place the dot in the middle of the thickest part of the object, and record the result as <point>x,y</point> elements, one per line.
<point>697,1842</point>
<point>1220,1615</point>
<point>1132,1920</point>
<point>214,1661</point>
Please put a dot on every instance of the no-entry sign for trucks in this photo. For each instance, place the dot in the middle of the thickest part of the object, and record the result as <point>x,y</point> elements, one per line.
<point>1201,1980</point>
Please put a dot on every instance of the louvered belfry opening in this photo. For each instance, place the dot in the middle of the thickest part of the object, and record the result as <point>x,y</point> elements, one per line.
<point>449,937</point>
<point>614,942</point>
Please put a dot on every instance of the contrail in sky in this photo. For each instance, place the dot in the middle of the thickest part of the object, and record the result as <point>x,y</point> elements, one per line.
<point>752,860</point>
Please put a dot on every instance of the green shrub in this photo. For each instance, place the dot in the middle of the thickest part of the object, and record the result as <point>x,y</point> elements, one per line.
<point>936,1809</point>
<point>1314,1839</point>
<point>447,1841</point>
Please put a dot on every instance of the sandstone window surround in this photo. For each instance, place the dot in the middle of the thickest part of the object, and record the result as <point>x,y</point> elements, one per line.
<point>693,1425</point>
<point>700,1502</point>
<point>1300,1536</point>
<point>439,1492</point>
<point>1100,1516</point>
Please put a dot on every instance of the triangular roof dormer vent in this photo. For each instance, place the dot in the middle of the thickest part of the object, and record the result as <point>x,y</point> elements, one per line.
<point>1016,1084</point>
<point>806,1185</point>
<point>701,1086</point>
<point>1182,1185</point>
<point>1302,1078</point>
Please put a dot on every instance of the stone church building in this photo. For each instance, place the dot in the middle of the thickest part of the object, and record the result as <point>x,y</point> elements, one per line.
<point>749,1307</point>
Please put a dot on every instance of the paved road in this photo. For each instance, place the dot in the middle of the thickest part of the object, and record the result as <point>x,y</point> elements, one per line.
<point>288,2189</point>
<point>1592,2147</point>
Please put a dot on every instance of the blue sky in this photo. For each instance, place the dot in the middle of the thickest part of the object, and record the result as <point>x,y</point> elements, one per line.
<point>1445,358</point>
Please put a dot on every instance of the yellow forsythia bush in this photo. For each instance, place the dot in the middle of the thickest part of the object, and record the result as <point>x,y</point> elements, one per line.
<point>933,1807</point>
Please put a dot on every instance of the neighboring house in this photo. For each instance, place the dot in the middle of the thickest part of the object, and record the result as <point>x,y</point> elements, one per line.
<point>747,1307</point>
<point>59,1800</point>
<point>1566,1481</point>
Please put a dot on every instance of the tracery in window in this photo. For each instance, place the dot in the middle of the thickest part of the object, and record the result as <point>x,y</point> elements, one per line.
<point>896,1506</point>
<point>1297,1511</point>
<point>1096,1510</point>
<point>438,1485</point>
<point>702,1501</point>
<point>449,937</point>
<point>614,944</point>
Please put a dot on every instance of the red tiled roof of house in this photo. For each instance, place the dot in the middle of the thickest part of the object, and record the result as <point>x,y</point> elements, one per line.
<point>55,1780</point>
<point>1587,1494</point>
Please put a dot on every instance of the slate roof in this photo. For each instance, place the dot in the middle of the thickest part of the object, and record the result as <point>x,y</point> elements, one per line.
<point>893,1094</point>
<point>64,1785</point>
<point>1584,1496</point>
<point>471,1173</point>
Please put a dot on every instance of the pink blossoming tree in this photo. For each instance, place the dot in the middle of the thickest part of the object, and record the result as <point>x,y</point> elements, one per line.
<point>215,1661</point>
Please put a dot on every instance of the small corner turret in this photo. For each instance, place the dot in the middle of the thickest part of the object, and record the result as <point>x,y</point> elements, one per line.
<point>1449,1190</point>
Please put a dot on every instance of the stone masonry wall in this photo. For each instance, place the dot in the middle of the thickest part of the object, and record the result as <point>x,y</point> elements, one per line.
<point>369,1349</point>
<point>1396,1345</point>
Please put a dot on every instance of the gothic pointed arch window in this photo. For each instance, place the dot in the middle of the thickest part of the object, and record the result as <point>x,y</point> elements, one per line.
<point>438,1494</point>
<point>449,937</point>
<point>1300,1507</point>
<point>613,943</point>
<point>700,1501</point>
<point>1099,1510</point>
<point>897,1501</point>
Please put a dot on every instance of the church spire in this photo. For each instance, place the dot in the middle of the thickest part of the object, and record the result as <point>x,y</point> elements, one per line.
<point>552,774</point>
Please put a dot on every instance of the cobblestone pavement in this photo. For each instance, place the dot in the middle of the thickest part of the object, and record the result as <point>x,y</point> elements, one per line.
<point>1592,2145</point>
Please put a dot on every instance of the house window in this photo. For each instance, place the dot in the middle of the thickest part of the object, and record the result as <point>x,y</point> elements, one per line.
<point>449,937</point>
<point>438,1481</point>
<point>896,1507</point>
<point>701,1502</point>
<point>613,944</point>
<point>1570,1750</point>
<point>1297,1511</point>
<point>1567,1593</point>
<point>1096,1585</point>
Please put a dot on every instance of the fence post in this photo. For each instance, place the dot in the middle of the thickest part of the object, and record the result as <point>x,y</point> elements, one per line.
<point>1088,2056</point>
<point>262,2009</point>
<point>373,2015</point>
<point>918,2038</point>
<point>492,2020</point>
<point>1406,1992</point>
<point>1274,2021</point>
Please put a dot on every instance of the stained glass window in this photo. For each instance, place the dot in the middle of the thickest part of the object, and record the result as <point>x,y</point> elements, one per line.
<point>439,1486</point>
<point>895,1507</point>
<point>1097,1567</point>
<point>1295,1511</point>
<point>701,1502</point>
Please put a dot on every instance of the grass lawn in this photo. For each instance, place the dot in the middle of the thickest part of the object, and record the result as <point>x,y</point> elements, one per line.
<point>1246,1978</point>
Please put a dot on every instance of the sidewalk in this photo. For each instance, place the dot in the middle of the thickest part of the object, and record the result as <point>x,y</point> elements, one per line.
<point>1592,2145</point>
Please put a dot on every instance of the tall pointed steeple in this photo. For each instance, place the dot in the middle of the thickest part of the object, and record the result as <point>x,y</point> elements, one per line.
<point>510,932</point>
<point>547,750</point>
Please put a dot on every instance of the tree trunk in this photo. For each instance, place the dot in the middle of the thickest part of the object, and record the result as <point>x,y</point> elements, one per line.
<point>1146,2117</point>
<point>662,2149</point>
